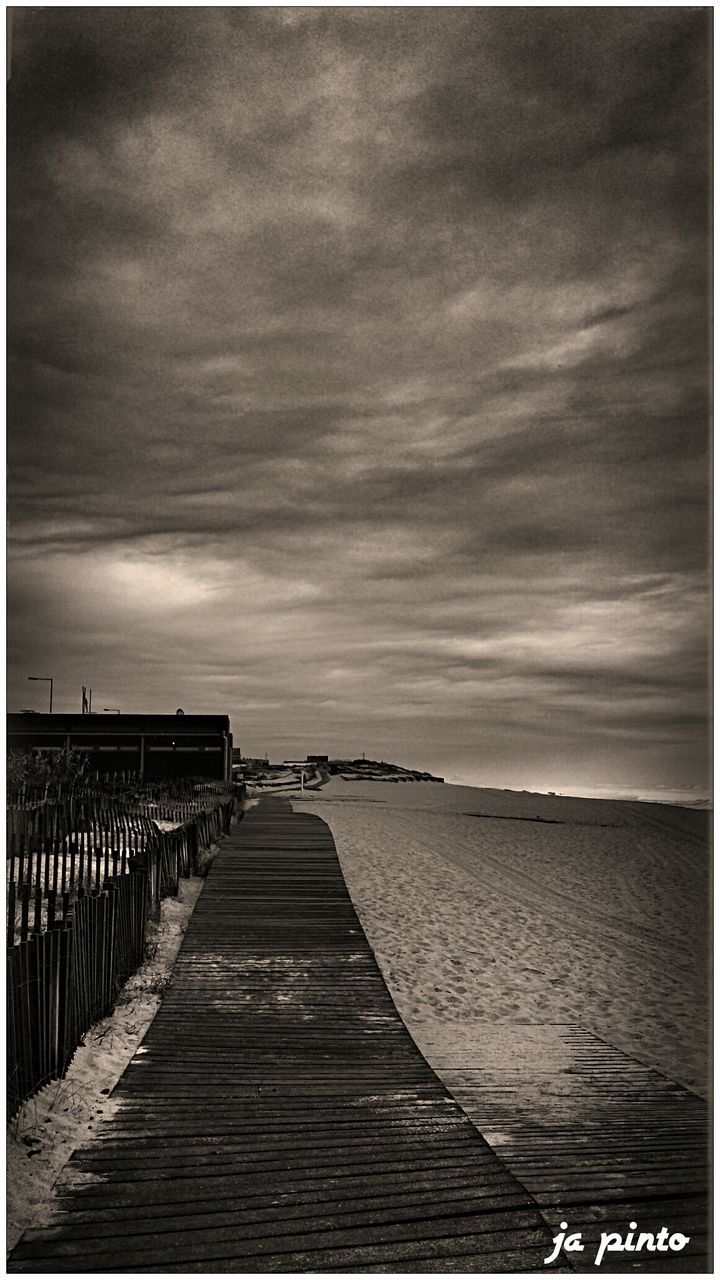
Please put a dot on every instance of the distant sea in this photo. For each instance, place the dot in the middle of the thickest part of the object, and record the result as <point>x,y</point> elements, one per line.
<point>690,797</point>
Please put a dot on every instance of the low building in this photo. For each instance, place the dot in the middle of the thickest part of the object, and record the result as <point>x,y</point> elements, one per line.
<point>154,746</point>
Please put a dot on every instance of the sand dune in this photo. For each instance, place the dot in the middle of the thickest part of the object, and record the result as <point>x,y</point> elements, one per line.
<point>494,906</point>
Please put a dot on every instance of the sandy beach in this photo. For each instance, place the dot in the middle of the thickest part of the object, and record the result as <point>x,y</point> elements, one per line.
<point>495,907</point>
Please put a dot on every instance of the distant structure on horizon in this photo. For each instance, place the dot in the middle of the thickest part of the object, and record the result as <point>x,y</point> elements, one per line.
<point>254,770</point>
<point>379,771</point>
<point>155,746</point>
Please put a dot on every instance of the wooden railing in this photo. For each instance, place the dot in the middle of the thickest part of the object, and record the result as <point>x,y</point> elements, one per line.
<point>82,879</point>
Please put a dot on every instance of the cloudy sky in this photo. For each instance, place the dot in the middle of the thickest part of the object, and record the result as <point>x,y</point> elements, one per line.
<point>358,380</point>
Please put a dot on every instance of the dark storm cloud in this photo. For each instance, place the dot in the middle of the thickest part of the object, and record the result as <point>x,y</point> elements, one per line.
<point>370,345</point>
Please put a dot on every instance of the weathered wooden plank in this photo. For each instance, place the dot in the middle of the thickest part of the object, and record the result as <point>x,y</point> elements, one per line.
<point>296,1253</point>
<point>316,1214</point>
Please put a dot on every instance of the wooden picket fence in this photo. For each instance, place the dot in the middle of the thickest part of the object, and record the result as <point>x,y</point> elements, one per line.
<point>84,872</point>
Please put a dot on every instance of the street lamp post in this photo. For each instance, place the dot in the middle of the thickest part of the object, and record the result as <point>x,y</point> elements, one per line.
<point>45,680</point>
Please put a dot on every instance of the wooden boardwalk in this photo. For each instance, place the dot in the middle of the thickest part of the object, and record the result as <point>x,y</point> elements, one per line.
<point>278,1116</point>
<point>599,1139</point>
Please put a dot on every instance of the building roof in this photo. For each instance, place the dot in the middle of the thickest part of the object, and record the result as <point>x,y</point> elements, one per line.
<point>59,722</point>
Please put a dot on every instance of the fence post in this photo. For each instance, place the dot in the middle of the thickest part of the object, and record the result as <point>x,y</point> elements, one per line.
<point>66,997</point>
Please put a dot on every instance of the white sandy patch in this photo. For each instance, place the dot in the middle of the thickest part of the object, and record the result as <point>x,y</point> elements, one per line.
<point>595,915</point>
<point>51,1125</point>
